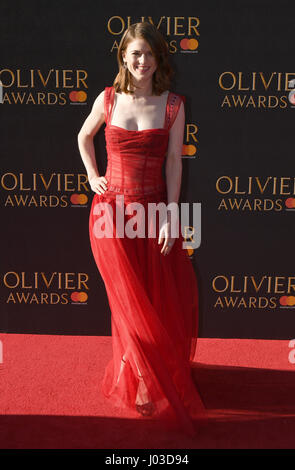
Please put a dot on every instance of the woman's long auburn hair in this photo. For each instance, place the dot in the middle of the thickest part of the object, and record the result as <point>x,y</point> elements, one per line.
<point>163,74</point>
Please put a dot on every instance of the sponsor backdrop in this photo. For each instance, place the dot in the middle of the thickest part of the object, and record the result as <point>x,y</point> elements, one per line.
<point>234,62</point>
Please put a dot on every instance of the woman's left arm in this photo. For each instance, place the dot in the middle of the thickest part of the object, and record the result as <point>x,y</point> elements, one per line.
<point>173,166</point>
<point>173,170</point>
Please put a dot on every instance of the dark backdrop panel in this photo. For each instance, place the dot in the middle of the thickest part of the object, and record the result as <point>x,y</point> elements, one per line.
<point>241,174</point>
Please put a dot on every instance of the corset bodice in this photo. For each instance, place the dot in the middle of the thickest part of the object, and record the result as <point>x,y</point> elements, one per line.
<point>135,158</point>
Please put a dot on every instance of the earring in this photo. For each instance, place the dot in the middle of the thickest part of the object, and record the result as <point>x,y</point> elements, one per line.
<point>125,65</point>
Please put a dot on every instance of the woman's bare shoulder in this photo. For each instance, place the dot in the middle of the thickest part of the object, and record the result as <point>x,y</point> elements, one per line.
<point>100,96</point>
<point>179,95</point>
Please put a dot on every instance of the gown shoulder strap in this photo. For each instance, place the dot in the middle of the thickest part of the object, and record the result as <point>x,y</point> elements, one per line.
<point>173,105</point>
<point>109,93</point>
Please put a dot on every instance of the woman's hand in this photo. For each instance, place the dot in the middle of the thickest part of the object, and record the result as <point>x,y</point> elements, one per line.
<point>165,235</point>
<point>98,184</point>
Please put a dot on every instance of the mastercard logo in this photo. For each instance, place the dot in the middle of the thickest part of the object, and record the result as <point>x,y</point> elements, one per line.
<point>292,97</point>
<point>79,297</point>
<point>190,251</point>
<point>189,44</point>
<point>80,199</point>
<point>288,300</point>
<point>290,202</point>
<point>189,150</point>
<point>78,96</point>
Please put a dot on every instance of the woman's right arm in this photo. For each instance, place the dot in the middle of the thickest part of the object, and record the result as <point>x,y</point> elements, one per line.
<point>86,134</point>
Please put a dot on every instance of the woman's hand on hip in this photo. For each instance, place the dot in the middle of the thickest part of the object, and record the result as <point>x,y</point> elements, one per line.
<point>98,184</point>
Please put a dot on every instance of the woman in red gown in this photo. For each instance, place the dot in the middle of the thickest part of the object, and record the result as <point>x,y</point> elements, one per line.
<point>150,282</point>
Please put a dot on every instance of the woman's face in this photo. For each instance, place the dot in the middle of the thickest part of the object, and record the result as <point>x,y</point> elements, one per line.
<point>140,59</point>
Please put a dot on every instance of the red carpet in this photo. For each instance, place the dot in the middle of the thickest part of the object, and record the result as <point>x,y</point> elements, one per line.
<point>49,396</point>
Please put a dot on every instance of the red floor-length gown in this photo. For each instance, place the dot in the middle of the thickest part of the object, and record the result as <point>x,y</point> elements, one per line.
<point>153,298</point>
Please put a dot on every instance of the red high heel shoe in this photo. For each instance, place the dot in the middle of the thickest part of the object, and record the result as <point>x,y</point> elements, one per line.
<point>145,409</point>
